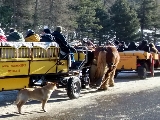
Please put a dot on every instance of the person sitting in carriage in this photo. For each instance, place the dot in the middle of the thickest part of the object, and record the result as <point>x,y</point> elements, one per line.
<point>15,36</point>
<point>63,44</point>
<point>116,43</point>
<point>2,36</point>
<point>31,36</point>
<point>46,36</point>
<point>132,46</point>
<point>144,46</point>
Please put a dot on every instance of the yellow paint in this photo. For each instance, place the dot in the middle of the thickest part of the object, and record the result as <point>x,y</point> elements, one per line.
<point>14,68</point>
<point>13,83</point>
<point>63,68</point>
<point>127,63</point>
<point>45,54</point>
<point>155,56</point>
<point>79,56</point>
<point>41,67</point>
<point>140,55</point>
<point>13,54</point>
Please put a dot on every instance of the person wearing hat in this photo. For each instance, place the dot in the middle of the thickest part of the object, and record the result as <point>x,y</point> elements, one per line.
<point>60,39</point>
<point>31,36</point>
<point>2,36</point>
<point>15,36</point>
<point>46,36</point>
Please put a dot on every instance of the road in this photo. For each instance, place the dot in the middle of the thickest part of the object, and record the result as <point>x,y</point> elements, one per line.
<point>144,105</point>
<point>130,99</point>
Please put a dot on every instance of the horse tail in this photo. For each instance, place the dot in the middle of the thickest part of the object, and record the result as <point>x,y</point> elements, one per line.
<point>101,64</point>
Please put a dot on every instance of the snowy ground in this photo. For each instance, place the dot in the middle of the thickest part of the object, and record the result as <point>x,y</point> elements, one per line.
<point>59,101</point>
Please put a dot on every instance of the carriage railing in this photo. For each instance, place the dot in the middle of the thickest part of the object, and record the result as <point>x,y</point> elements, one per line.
<point>21,51</point>
<point>45,51</point>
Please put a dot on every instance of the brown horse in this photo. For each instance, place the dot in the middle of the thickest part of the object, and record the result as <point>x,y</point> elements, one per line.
<point>107,60</point>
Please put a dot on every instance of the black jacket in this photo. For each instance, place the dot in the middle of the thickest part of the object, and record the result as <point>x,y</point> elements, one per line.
<point>144,48</point>
<point>15,37</point>
<point>63,44</point>
<point>132,46</point>
<point>47,38</point>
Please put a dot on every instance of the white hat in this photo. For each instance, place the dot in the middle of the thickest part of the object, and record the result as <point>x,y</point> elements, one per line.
<point>1,31</point>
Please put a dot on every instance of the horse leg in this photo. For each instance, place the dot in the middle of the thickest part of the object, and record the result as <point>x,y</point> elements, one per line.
<point>105,81</point>
<point>108,80</point>
<point>111,79</point>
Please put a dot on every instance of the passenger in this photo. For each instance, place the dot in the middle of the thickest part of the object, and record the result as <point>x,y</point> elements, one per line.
<point>2,36</point>
<point>60,39</point>
<point>31,36</point>
<point>132,46</point>
<point>153,48</point>
<point>116,42</point>
<point>15,36</point>
<point>89,44</point>
<point>122,46</point>
<point>46,36</point>
<point>144,46</point>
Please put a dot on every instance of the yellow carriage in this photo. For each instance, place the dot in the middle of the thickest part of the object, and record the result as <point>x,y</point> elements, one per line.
<point>139,61</point>
<point>23,64</point>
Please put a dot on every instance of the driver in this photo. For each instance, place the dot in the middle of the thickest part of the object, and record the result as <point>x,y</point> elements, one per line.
<point>63,44</point>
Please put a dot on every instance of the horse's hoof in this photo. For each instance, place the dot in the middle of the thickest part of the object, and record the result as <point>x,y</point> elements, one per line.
<point>44,110</point>
<point>112,85</point>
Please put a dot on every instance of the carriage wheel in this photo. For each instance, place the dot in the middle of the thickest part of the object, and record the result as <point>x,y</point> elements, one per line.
<point>142,72</point>
<point>73,87</point>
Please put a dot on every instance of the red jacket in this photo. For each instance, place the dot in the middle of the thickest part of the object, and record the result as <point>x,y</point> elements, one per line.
<point>3,38</point>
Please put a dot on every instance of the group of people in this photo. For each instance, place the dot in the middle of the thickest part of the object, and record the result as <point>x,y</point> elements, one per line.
<point>31,36</point>
<point>144,45</point>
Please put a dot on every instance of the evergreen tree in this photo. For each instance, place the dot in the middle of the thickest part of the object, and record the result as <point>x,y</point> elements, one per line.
<point>87,22</point>
<point>124,21</point>
<point>104,20</point>
<point>147,13</point>
<point>5,16</point>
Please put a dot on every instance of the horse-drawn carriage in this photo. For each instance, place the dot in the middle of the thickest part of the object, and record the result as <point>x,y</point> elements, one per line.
<point>139,61</point>
<point>24,64</point>
<point>27,64</point>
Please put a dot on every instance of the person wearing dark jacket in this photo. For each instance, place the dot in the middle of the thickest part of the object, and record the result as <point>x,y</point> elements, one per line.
<point>46,36</point>
<point>60,39</point>
<point>144,46</point>
<point>132,46</point>
<point>15,36</point>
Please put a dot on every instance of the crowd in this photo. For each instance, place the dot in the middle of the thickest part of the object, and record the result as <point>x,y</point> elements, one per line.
<point>31,36</point>
<point>56,36</point>
<point>144,46</point>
